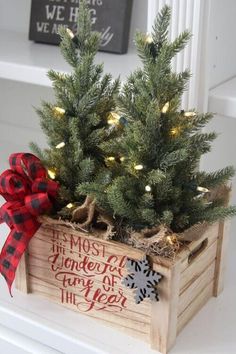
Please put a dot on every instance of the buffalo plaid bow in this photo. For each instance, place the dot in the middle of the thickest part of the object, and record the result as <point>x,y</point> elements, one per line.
<point>28,193</point>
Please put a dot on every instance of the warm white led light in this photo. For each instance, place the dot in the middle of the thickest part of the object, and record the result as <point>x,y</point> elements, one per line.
<point>71,34</point>
<point>190,114</point>
<point>52,174</point>
<point>70,206</point>
<point>203,190</point>
<point>166,107</point>
<point>148,189</point>
<point>138,167</point>
<point>59,111</point>
<point>113,118</point>
<point>61,145</point>
<point>148,39</point>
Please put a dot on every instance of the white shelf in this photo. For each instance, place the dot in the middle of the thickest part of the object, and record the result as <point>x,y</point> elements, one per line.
<point>222,99</point>
<point>28,62</point>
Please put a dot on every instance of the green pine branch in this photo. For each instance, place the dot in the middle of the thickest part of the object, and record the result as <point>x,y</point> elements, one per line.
<point>161,145</point>
<point>76,123</point>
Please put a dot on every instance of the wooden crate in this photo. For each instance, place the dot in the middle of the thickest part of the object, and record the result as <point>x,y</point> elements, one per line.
<point>84,274</point>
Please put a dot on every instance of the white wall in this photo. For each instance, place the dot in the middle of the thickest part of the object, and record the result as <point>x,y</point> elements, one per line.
<point>139,17</point>
<point>223,148</point>
<point>20,110</point>
<point>221,67</point>
<point>19,123</point>
<point>222,42</point>
<point>15,14</point>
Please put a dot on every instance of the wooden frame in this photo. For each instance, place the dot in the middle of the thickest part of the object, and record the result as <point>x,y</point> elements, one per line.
<point>188,282</point>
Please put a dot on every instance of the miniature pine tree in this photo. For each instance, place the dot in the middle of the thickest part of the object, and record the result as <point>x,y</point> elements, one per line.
<point>155,178</point>
<point>77,124</point>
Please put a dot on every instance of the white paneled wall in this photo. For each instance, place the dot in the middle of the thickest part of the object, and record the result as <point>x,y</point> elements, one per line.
<point>139,18</point>
<point>222,45</point>
<point>14,15</point>
<point>191,15</point>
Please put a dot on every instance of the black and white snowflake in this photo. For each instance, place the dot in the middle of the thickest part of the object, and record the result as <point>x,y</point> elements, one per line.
<point>142,279</point>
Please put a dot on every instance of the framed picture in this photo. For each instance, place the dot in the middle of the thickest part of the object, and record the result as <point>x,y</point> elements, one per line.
<point>110,17</point>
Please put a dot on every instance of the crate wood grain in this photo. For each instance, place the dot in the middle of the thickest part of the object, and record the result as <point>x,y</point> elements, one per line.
<point>84,274</point>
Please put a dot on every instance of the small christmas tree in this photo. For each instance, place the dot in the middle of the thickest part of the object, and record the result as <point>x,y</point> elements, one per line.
<point>77,124</point>
<point>155,161</point>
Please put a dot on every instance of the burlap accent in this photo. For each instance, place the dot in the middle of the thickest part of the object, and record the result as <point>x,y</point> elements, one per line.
<point>84,214</point>
<point>86,218</point>
<point>193,233</point>
<point>159,241</point>
<point>49,221</point>
<point>102,225</point>
<point>223,192</point>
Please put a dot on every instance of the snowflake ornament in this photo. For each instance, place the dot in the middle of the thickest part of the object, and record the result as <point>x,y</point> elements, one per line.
<point>142,279</point>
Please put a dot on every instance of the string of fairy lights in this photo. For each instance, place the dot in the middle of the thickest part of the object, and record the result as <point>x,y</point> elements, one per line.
<point>116,120</point>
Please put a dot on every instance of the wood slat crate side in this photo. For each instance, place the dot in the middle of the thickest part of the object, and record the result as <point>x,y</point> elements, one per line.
<point>221,256</point>
<point>38,255</point>
<point>131,326</point>
<point>197,277</point>
<point>41,271</point>
<point>164,316</point>
<point>84,274</point>
<point>211,235</point>
<point>140,315</point>
<point>79,257</point>
<point>196,268</point>
<point>45,233</point>
<point>195,306</point>
<point>196,287</point>
<point>132,312</point>
<point>42,263</point>
<point>139,330</point>
<point>22,280</point>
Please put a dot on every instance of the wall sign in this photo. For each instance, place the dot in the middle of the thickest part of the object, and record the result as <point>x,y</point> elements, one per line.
<point>109,17</point>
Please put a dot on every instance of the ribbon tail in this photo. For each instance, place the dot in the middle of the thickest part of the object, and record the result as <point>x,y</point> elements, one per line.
<point>11,254</point>
<point>9,285</point>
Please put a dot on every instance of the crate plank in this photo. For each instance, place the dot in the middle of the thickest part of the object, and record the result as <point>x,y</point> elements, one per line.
<point>196,268</point>
<point>125,323</point>
<point>196,287</point>
<point>164,317</point>
<point>22,281</point>
<point>221,256</point>
<point>195,306</point>
<point>143,313</point>
<point>211,233</point>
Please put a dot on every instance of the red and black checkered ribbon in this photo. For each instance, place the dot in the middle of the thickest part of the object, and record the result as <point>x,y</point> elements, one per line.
<point>28,193</point>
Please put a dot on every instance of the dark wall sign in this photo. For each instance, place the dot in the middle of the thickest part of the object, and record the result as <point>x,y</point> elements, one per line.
<point>110,17</point>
